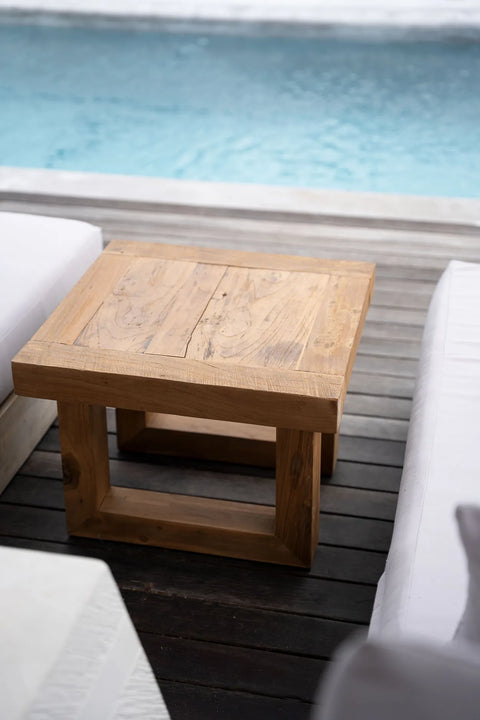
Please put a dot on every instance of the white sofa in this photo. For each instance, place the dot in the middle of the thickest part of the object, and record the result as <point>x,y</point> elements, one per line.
<point>68,648</point>
<point>421,659</point>
<point>423,590</point>
<point>41,259</point>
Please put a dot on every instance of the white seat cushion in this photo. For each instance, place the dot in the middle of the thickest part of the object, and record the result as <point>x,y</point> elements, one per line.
<point>41,259</point>
<point>68,648</point>
<point>424,588</point>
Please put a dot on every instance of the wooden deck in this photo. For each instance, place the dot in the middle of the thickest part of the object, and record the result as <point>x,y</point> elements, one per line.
<point>236,639</point>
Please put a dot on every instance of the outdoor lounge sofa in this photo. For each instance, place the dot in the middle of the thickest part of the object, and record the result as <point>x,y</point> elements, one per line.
<point>423,590</point>
<point>42,258</point>
<point>422,656</point>
<point>68,648</point>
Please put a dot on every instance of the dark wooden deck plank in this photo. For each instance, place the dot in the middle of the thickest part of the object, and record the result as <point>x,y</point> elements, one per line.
<point>162,571</point>
<point>369,450</point>
<point>225,666</point>
<point>349,474</point>
<point>381,385</point>
<point>188,702</point>
<point>181,617</point>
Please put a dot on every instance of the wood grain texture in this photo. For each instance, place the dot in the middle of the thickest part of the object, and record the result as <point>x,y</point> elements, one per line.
<point>336,333</point>
<point>225,335</point>
<point>329,453</point>
<point>153,308</point>
<point>239,258</point>
<point>86,476</point>
<point>206,439</point>
<point>202,662</point>
<point>130,424</point>
<point>298,492</point>
<point>287,534</point>
<point>196,524</point>
<point>259,318</point>
<point>263,396</point>
<point>68,320</point>
<point>206,426</point>
<point>200,438</point>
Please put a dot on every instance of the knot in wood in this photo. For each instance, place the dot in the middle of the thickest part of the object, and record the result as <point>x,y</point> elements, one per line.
<point>71,471</point>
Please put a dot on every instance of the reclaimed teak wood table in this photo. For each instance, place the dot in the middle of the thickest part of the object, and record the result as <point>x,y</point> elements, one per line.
<point>250,342</point>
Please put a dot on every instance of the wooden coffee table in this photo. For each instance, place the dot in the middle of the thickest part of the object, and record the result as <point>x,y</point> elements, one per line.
<point>250,342</point>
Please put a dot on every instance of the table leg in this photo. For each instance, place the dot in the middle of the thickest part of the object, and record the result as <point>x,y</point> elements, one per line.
<point>84,447</point>
<point>131,426</point>
<point>298,492</point>
<point>329,453</point>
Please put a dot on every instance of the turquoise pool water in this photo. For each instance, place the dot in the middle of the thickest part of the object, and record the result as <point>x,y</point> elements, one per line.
<point>392,116</point>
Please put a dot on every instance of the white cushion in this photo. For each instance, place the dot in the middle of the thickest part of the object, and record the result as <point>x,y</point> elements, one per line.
<point>68,648</point>
<point>381,680</point>
<point>425,582</point>
<point>41,259</point>
<point>468,518</point>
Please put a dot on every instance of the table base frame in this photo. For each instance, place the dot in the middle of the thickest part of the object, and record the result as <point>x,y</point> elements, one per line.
<point>285,534</point>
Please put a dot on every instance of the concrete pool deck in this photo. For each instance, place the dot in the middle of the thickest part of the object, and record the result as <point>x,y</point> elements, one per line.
<point>422,14</point>
<point>214,199</point>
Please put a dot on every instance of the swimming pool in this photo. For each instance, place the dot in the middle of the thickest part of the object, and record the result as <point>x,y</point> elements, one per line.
<point>384,116</point>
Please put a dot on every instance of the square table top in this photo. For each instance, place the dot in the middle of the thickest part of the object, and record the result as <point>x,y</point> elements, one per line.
<point>168,328</point>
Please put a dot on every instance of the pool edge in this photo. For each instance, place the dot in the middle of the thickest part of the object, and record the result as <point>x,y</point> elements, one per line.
<point>461,17</point>
<point>242,200</point>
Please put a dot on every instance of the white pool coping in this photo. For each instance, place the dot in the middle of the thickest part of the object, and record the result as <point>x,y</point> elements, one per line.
<point>394,13</point>
<point>227,199</point>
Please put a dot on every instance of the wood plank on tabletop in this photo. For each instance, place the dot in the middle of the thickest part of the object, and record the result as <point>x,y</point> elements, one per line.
<point>240,258</point>
<point>336,332</point>
<point>259,318</point>
<point>154,308</point>
<point>66,323</point>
